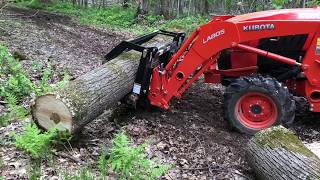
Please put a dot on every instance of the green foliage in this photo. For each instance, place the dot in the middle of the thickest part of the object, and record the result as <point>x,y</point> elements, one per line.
<point>103,163</point>
<point>314,3</point>
<point>278,4</point>
<point>4,120</point>
<point>82,174</point>
<point>120,18</point>
<point>114,16</point>
<point>131,162</point>
<point>15,85</point>
<point>35,170</point>
<point>1,163</point>
<point>187,24</point>
<point>34,142</point>
<point>229,5</point>
<point>17,82</point>
<point>45,87</point>
<point>16,111</point>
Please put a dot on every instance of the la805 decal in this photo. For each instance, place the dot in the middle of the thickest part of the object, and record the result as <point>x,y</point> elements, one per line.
<point>213,36</point>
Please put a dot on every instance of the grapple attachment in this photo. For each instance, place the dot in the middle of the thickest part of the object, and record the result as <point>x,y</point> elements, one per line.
<point>153,54</point>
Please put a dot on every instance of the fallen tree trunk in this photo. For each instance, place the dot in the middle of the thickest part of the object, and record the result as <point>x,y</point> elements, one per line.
<point>88,96</point>
<point>277,153</point>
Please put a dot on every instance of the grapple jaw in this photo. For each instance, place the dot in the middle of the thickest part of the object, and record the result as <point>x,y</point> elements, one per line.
<point>137,44</point>
<point>154,55</point>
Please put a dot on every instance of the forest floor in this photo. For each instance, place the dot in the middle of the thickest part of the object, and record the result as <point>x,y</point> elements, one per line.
<point>193,134</point>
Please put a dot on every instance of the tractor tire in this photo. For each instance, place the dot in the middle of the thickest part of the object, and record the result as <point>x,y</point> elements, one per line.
<point>254,103</point>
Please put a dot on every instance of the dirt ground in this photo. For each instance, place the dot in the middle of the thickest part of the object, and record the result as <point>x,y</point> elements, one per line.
<point>193,134</point>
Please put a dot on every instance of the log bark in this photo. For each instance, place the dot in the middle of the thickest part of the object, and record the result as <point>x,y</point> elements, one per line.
<point>277,153</point>
<point>88,96</point>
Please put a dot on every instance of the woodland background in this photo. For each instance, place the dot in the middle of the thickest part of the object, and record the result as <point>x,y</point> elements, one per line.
<point>178,8</point>
<point>46,43</point>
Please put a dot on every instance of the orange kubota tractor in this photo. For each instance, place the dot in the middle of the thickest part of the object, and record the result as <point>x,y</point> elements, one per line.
<point>262,58</point>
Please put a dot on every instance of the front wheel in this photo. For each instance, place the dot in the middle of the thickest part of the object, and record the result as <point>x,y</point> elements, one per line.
<point>256,102</point>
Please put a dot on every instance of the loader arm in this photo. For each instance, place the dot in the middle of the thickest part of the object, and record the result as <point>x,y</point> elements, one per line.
<point>192,59</point>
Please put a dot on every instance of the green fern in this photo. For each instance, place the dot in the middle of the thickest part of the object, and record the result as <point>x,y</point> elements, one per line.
<point>16,111</point>
<point>132,162</point>
<point>35,170</point>
<point>34,142</point>
<point>82,174</point>
<point>63,83</point>
<point>103,163</point>
<point>11,99</point>
<point>4,119</point>
<point>17,86</point>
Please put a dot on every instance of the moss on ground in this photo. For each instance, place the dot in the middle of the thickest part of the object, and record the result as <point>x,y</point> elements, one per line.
<point>134,56</point>
<point>280,137</point>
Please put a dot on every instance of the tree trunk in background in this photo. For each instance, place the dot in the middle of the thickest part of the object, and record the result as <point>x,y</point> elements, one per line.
<point>88,96</point>
<point>142,8</point>
<point>180,8</point>
<point>125,4</point>
<point>277,153</point>
<point>189,7</point>
<point>206,7</point>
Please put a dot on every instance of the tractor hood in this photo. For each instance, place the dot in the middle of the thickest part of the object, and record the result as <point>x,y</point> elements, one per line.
<point>311,14</point>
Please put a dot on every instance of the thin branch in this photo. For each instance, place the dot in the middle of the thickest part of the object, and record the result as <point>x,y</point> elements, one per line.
<point>64,155</point>
<point>5,5</point>
<point>36,13</point>
<point>3,102</point>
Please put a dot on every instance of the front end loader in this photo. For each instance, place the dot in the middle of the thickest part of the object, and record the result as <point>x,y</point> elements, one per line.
<point>263,59</point>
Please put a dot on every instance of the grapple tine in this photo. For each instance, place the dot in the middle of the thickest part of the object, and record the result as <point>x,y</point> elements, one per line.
<point>136,44</point>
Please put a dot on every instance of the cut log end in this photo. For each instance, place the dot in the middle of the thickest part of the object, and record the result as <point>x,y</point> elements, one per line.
<point>50,112</point>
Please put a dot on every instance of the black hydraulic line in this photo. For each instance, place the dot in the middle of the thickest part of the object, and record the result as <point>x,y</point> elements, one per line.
<point>289,74</point>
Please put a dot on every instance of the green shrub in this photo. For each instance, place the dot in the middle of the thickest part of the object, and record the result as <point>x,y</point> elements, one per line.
<point>188,24</point>
<point>34,142</point>
<point>131,162</point>
<point>278,4</point>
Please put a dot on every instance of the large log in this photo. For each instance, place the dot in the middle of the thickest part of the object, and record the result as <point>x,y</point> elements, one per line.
<point>88,96</point>
<point>277,153</point>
